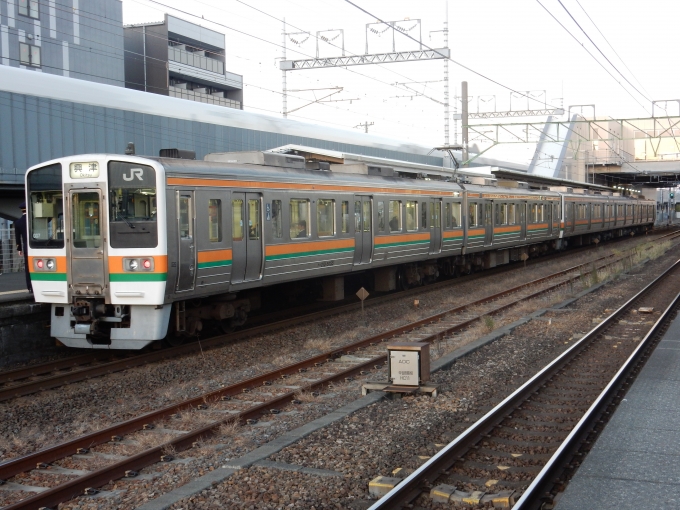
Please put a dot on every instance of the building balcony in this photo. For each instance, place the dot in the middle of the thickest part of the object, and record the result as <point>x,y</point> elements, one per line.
<point>201,97</point>
<point>195,59</point>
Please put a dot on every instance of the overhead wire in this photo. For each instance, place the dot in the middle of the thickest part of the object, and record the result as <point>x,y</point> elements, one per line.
<point>592,56</point>
<point>601,52</point>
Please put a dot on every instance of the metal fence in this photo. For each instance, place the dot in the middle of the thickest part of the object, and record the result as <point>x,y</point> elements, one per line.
<point>10,261</point>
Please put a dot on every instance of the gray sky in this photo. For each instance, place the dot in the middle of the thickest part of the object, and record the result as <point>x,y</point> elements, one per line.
<point>516,43</point>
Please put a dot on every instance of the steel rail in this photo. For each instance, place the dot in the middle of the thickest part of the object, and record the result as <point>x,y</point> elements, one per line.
<point>108,367</point>
<point>413,485</point>
<point>18,465</point>
<point>546,477</point>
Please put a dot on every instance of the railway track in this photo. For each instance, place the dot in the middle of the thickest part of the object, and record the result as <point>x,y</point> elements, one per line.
<point>520,454</point>
<point>250,399</point>
<point>28,380</point>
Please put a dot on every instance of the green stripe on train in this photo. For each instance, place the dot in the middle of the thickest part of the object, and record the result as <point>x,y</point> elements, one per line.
<point>49,277</point>
<point>307,254</point>
<point>138,277</point>
<point>217,263</point>
<point>406,243</point>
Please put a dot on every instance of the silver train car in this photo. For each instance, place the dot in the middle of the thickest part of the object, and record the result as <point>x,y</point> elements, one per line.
<point>130,250</point>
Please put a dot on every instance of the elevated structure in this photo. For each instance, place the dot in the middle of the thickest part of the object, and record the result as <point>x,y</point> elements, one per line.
<point>180,59</point>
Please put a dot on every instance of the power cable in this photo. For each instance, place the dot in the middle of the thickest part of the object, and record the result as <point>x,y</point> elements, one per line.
<point>593,56</point>
<point>601,53</point>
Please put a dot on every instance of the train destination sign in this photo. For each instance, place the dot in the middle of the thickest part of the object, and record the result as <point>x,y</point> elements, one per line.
<point>87,170</point>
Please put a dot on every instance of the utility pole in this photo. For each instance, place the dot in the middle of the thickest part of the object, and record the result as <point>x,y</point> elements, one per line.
<point>446,75</point>
<point>283,74</point>
<point>464,120</point>
<point>365,126</point>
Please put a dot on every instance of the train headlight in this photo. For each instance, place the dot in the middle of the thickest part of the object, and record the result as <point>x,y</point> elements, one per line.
<point>145,264</point>
<point>50,264</point>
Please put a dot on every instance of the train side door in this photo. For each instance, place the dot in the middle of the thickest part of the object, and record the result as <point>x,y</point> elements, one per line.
<point>246,232</point>
<point>522,220</point>
<point>363,230</point>
<point>435,223</point>
<point>87,247</point>
<point>186,272</point>
<point>488,223</point>
<point>549,216</point>
<point>571,216</point>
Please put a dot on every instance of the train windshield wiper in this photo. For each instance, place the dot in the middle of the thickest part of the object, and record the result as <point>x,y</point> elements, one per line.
<point>126,221</point>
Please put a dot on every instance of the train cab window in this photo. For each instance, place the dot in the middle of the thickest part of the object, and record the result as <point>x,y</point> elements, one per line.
<point>472,215</point>
<point>423,215</point>
<point>277,219</point>
<point>511,214</point>
<point>254,231</point>
<point>381,216</point>
<point>452,216</point>
<point>344,210</point>
<point>299,218</point>
<point>325,218</point>
<point>132,203</point>
<point>237,220</point>
<point>46,207</point>
<point>411,216</point>
<point>215,220</point>
<point>395,216</point>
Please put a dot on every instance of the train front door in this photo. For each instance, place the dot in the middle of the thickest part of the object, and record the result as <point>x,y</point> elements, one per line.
<point>435,223</point>
<point>246,232</point>
<point>488,223</point>
<point>88,266</point>
<point>363,230</point>
<point>186,271</point>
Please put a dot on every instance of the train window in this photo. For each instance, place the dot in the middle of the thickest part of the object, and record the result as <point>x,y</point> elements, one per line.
<point>215,220</point>
<point>381,216</point>
<point>511,214</point>
<point>435,211</point>
<point>325,216</point>
<point>277,219</point>
<point>86,220</point>
<point>395,215</point>
<point>501,214</point>
<point>472,215</point>
<point>184,218</point>
<point>254,219</point>
<point>344,209</point>
<point>423,215</point>
<point>357,215</point>
<point>452,216</point>
<point>46,207</point>
<point>132,204</point>
<point>534,214</point>
<point>29,8</point>
<point>367,215</point>
<point>299,218</point>
<point>411,216</point>
<point>237,220</point>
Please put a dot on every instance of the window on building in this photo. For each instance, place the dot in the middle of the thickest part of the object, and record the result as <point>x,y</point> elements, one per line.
<point>29,8</point>
<point>299,218</point>
<point>277,219</point>
<point>29,55</point>
<point>325,216</point>
<point>345,216</point>
<point>411,216</point>
<point>215,220</point>
<point>395,216</point>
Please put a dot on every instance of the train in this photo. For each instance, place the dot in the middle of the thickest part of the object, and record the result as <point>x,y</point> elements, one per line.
<point>131,250</point>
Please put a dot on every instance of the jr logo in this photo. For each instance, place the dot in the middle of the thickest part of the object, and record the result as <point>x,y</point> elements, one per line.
<point>134,172</point>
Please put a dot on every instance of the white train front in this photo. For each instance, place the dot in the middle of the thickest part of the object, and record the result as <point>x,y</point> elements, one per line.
<point>121,244</point>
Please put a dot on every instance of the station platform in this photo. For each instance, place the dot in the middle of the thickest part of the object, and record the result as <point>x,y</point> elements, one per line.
<point>13,287</point>
<point>635,463</point>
